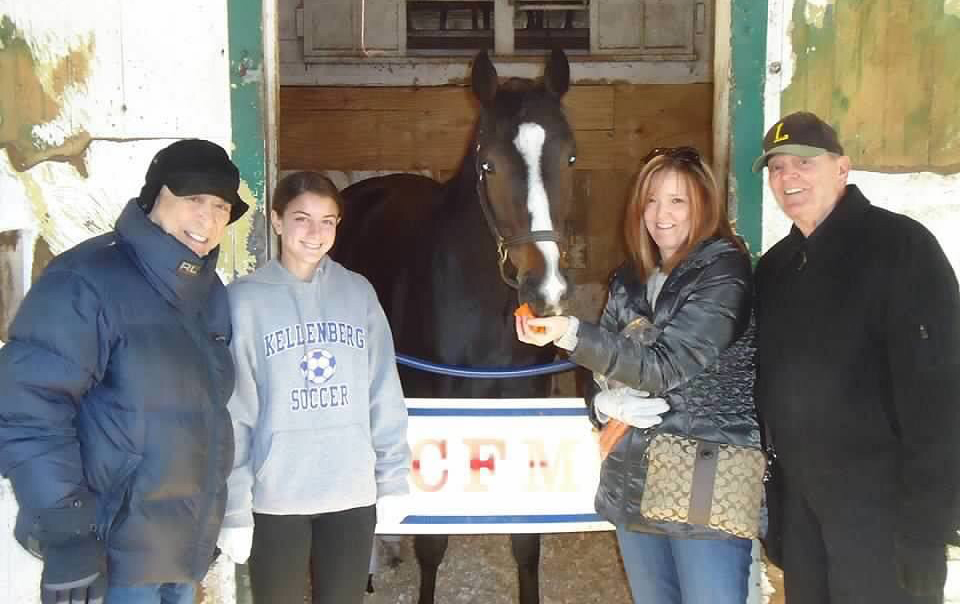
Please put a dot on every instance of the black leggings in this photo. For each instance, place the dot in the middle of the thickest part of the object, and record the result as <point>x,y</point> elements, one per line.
<point>336,545</point>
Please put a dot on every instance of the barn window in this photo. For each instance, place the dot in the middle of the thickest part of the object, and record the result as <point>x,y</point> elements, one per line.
<point>468,25</point>
<point>442,25</point>
<point>631,29</point>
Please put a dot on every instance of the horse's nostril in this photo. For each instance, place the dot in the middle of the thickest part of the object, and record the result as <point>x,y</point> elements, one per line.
<point>553,310</point>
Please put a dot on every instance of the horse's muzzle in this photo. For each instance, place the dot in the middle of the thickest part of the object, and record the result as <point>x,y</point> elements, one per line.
<point>547,296</point>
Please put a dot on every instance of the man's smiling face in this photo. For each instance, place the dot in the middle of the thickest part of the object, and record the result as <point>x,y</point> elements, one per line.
<point>807,188</point>
<point>196,221</point>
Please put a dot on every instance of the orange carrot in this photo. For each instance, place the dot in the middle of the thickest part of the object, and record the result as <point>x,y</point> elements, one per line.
<point>525,311</point>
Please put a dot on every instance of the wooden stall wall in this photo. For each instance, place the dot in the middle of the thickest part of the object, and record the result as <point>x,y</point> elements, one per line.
<point>427,129</point>
<point>886,74</point>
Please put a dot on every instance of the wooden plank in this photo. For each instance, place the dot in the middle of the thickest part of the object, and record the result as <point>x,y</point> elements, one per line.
<point>346,140</point>
<point>415,129</point>
<point>914,82</point>
<point>604,232</point>
<point>440,140</point>
<point>824,68</point>
<point>826,62</point>
<point>904,71</point>
<point>590,107</point>
<point>454,99</point>
<point>944,59</point>
<point>794,96</point>
<point>649,116</point>
<point>859,75</point>
<point>596,149</point>
<point>889,71</point>
<point>827,73</point>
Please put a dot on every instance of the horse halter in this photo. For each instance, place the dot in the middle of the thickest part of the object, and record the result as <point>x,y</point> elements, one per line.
<point>505,243</point>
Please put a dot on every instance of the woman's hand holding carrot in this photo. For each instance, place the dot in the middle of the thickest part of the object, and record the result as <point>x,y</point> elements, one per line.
<point>538,331</point>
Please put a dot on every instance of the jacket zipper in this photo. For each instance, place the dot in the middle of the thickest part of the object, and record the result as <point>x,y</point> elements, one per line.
<point>627,469</point>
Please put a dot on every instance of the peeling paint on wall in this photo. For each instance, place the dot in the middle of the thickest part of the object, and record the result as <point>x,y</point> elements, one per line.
<point>815,11</point>
<point>35,124</point>
<point>885,74</point>
<point>236,256</point>
<point>248,121</point>
<point>9,287</point>
<point>887,81</point>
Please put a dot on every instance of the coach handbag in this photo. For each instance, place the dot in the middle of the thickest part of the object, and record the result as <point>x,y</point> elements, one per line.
<point>693,481</point>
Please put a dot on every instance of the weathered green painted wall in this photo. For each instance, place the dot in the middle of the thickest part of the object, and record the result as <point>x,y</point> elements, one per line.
<point>748,43</point>
<point>245,26</point>
<point>886,74</point>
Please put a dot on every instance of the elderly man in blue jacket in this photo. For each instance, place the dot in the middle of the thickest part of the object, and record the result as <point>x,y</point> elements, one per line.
<point>114,429</point>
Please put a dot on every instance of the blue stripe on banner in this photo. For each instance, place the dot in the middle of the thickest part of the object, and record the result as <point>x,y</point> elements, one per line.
<point>517,519</point>
<point>534,412</point>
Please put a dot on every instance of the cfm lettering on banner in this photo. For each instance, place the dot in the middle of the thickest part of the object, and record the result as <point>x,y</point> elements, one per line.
<point>551,474</point>
<point>419,451</point>
<point>483,459</point>
<point>485,464</point>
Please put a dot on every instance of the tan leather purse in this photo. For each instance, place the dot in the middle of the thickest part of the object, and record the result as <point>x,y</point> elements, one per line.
<point>710,484</point>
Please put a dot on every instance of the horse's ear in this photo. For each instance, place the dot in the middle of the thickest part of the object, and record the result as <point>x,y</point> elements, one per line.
<point>556,78</point>
<point>484,78</point>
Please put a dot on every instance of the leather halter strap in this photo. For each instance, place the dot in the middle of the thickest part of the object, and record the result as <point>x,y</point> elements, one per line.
<point>505,243</point>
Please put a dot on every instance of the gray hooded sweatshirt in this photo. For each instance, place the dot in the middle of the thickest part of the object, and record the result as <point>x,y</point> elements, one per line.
<point>318,413</point>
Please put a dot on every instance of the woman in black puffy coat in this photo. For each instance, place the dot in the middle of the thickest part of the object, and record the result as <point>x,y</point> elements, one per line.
<point>672,354</point>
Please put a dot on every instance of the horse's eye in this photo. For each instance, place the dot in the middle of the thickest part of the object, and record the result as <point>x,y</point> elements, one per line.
<point>572,160</point>
<point>487,167</point>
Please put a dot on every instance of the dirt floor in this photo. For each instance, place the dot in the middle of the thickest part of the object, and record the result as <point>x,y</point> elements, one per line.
<point>581,568</point>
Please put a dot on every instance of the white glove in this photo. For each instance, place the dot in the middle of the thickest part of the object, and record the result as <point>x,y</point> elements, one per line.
<point>235,543</point>
<point>391,509</point>
<point>632,407</point>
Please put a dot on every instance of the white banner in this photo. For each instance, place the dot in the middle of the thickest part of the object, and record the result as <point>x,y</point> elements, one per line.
<point>500,466</point>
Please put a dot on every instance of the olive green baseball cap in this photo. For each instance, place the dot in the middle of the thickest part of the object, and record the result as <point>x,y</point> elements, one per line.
<point>802,134</point>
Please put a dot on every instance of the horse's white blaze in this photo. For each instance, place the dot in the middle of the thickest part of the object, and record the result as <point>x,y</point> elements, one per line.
<point>529,143</point>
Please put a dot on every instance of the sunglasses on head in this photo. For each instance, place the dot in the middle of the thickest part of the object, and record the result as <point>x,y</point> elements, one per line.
<point>684,154</point>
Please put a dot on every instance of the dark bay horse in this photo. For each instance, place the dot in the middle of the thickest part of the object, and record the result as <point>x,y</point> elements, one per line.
<point>450,262</point>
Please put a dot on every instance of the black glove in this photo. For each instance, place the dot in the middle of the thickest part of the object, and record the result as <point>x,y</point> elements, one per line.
<point>74,572</point>
<point>74,561</point>
<point>921,567</point>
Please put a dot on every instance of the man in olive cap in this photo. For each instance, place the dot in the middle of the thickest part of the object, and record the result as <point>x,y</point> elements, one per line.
<point>858,384</point>
<point>113,422</point>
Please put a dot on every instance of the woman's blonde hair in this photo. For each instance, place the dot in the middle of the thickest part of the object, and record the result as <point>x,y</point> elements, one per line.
<point>708,209</point>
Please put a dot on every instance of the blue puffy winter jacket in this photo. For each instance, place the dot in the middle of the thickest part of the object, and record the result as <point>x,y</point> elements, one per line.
<point>113,388</point>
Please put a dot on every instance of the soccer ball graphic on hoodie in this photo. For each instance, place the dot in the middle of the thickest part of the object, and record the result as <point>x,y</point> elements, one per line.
<point>318,366</point>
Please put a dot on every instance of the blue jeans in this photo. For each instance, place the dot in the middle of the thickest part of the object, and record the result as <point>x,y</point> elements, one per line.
<point>666,570</point>
<point>160,593</point>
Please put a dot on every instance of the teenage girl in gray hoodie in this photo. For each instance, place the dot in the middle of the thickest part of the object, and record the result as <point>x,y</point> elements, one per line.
<point>318,414</point>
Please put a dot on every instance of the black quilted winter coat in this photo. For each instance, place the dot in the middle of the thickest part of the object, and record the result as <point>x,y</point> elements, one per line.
<point>699,357</point>
<point>113,388</point>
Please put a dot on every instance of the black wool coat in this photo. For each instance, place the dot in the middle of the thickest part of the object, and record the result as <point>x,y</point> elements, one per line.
<point>858,365</point>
